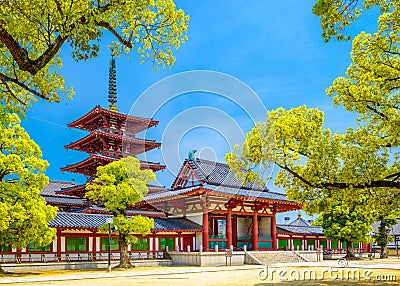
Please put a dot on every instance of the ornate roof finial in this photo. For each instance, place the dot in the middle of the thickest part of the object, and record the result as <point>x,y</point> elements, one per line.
<point>191,154</point>
<point>112,85</point>
<point>299,214</point>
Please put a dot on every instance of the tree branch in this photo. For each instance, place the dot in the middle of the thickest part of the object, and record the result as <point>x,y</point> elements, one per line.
<point>108,27</point>
<point>5,79</point>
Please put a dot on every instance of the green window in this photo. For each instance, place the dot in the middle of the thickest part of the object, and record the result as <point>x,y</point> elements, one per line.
<point>76,243</point>
<point>344,244</point>
<point>283,243</point>
<point>167,242</point>
<point>297,242</point>
<point>311,242</point>
<point>114,243</point>
<point>322,243</point>
<point>141,244</point>
<point>334,244</point>
<point>355,245</point>
<point>34,247</point>
<point>5,248</point>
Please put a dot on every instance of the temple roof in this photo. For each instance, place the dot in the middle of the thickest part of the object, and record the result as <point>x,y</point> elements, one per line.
<point>92,119</point>
<point>221,191</point>
<point>292,229</point>
<point>65,200</point>
<point>86,143</point>
<point>299,222</point>
<point>215,173</point>
<point>53,186</point>
<point>88,166</point>
<point>93,221</point>
<point>299,226</point>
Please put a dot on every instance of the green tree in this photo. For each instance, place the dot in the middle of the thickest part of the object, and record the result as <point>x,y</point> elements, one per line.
<point>347,220</point>
<point>32,34</point>
<point>118,185</point>
<point>337,15</point>
<point>382,238</point>
<point>326,172</point>
<point>23,211</point>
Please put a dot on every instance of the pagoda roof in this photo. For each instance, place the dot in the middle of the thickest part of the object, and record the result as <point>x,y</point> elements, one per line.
<point>79,190</point>
<point>88,166</point>
<point>71,220</point>
<point>65,200</point>
<point>53,187</point>
<point>99,135</point>
<point>86,121</point>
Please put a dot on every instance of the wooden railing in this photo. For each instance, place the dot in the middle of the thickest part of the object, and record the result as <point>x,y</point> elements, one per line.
<point>77,256</point>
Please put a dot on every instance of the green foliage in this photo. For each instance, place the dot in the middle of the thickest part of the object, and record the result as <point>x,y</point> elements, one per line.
<point>337,15</point>
<point>24,213</point>
<point>346,178</point>
<point>118,185</point>
<point>382,238</point>
<point>33,32</point>
<point>126,226</point>
<point>346,221</point>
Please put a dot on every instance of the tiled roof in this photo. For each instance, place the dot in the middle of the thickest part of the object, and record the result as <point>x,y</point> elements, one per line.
<point>130,211</point>
<point>299,222</point>
<point>82,220</point>
<point>64,200</point>
<point>286,228</point>
<point>215,173</point>
<point>394,230</point>
<point>78,220</point>
<point>165,224</point>
<point>223,190</point>
<point>53,186</point>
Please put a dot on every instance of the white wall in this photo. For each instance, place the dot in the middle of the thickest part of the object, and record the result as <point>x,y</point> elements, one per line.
<point>264,226</point>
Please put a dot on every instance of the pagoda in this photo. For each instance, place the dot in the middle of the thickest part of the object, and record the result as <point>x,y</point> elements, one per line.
<point>112,136</point>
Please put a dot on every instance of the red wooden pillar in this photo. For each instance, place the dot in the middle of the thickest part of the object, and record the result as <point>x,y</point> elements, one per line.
<point>179,241</point>
<point>229,228</point>
<point>205,230</point>
<point>234,231</point>
<point>154,245</point>
<point>273,231</point>
<point>59,244</point>
<point>94,244</point>
<point>255,230</point>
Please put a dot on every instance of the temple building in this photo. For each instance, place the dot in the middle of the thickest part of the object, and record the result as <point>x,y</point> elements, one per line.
<point>205,209</point>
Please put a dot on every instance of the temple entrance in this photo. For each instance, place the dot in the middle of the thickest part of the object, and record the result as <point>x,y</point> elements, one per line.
<point>187,241</point>
<point>245,228</point>
<point>217,231</point>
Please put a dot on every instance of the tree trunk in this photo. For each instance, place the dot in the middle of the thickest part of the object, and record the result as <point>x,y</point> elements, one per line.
<point>383,250</point>
<point>123,248</point>
<point>349,250</point>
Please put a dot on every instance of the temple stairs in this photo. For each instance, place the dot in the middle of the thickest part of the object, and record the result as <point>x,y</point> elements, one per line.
<point>272,257</point>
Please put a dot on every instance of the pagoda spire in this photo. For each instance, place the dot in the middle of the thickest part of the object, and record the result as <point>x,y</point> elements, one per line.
<point>112,85</point>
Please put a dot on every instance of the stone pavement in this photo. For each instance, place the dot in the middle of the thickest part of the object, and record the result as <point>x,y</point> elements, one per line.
<point>170,270</point>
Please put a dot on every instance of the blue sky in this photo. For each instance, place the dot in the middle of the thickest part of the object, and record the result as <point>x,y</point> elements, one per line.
<point>273,47</point>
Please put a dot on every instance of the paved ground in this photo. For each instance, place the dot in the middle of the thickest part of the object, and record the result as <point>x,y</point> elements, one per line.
<point>380,272</point>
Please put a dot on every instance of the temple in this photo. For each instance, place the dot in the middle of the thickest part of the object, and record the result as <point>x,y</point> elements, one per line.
<point>112,136</point>
<point>206,209</point>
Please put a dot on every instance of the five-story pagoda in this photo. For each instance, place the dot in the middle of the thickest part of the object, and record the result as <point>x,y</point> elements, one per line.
<point>112,135</point>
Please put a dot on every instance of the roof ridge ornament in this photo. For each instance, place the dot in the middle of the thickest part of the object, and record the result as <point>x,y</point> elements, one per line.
<point>112,85</point>
<point>191,154</point>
